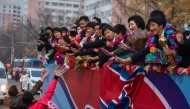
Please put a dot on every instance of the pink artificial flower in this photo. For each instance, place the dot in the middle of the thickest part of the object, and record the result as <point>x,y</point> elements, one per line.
<point>179,71</point>
<point>78,35</point>
<point>169,27</point>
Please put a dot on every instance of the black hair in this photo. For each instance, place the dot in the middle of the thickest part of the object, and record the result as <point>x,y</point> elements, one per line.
<point>85,18</point>
<point>158,20</point>
<point>91,24</point>
<point>158,17</point>
<point>27,98</point>
<point>57,29</point>
<point>76,22</point>
<point>102,26</point>
<point>138,20</point>
<point>106,27</point>
<point>77,26</point>
<point>49,28</point>
<point>97,24</point>
<point>119,28</point>
<point>157,13</point>
<point>148,26</point>
<point>64,29</point>
<point>13,91</point>
<point>186,33</point>
<point>97,19</point>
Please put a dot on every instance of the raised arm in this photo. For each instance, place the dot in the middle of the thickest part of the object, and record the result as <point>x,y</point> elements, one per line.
<point>51,88</point>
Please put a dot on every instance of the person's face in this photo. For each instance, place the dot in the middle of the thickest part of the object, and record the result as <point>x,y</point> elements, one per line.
<point>78,29</point>
<point>64,33</point>
<point>90,30</point>
<point>98,32</point>
<point>187,37</point>
<point>109,35</point>
<point>94,20</point>
<point>133,26</point>
<point>57,34</point>
<point>50,33</point>
<point>156,29</point>
<point>83,24</point>
<point>116,35</point>
<point>148,32</point>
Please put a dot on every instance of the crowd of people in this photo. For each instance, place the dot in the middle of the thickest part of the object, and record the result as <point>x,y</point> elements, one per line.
<point>93,43</point>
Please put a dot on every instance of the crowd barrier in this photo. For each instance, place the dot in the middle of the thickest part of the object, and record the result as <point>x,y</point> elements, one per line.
<point>115,88</point>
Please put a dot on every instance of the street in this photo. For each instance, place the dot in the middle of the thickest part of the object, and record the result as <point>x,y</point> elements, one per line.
<point>12,82</point>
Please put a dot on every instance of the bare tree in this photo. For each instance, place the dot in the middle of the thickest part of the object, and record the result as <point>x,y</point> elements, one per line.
<point>176,11</point>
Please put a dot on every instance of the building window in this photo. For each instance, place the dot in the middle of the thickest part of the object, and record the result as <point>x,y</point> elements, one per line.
<point>39,3</point>
<point>18,12</point>
<point>38,17</point>
<point>39,9</point>
<point>2,26</point>
<point>68,5</point>
<point>3,22</point>
<point>54,10</point>
<point>9,10</point>
<point>62,4</point>
<point>18,8</point>
<point>95,5</point>
<point>9,14</point>
<point>4,6</point>
<point>108,2</point>
<point>54,4</point>
<point>61,11</point>
<point>98,14</point>
<point>75,6</point>
<point>90,7</point>
<point>82,7</point>
<point>47,3</point>
<point>54,17</point>
<point>103,3</point>
<point>68,11</point>
<point>109,13</point>
<point>9,6</point>
<point>98,4</point>
<point>82,0</point>
<point>14,11</point>
<point>87,7</point>
<point>3,10</point>
<point>75,12</point>
<point>102,14</point>
<point>68,18</point>
<point>3,18</point>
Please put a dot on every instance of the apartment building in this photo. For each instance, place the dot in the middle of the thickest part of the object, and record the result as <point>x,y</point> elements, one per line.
<point>10,14</point>
<point>99,8</point>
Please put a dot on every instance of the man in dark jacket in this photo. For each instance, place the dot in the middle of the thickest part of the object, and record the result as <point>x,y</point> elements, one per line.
<point>16,96</point>
<point>46,41</point>
<point>17,75</point>
<point>83,21</point>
